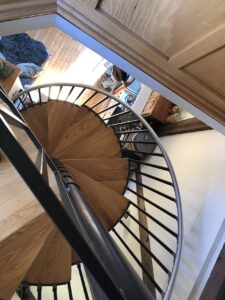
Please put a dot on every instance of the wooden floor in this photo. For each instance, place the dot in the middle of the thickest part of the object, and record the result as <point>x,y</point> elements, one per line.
<point>69,60</point>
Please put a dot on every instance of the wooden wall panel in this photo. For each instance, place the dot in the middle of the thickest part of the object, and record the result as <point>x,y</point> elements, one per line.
<point>210,70</point>
<point>209,43</point>
<point>93,3</point>
<point>167,25</point>
<point>12,9</point>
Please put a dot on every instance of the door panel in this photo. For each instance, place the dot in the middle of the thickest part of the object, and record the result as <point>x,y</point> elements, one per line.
<point>167,25</point>
<point>210,70</point>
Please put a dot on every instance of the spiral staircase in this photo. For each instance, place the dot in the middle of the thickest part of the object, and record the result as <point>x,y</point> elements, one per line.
<point>89,198</point>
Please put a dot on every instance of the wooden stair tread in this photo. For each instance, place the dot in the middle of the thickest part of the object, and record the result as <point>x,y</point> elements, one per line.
<point>108,205</point>
<point>72,131</point>
<point>115,185</point>
<point>112,172</point>
<point>24,228</point>
<point>100,168</point>
<point>60,116</point>
<point>53,263</point>
<point>91,153</point>
<point>101,144</point>
<point>18,251</point>
<point>36,118</point>
<point>82,128</point>
<point>18,205</point>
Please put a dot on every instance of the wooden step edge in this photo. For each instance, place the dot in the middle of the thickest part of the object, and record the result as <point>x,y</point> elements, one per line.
<point>108,204</point>
<point>112,173</point>
<point>18,251</point>
<point>53,263</point>
<point>101,144</point>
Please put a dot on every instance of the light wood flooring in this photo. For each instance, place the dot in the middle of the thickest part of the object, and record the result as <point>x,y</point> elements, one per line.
<point>69,60</point>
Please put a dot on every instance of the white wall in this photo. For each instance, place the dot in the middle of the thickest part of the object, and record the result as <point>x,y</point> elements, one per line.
<point>30,23</point>
<point>141,99</point>
<point>199,163</point>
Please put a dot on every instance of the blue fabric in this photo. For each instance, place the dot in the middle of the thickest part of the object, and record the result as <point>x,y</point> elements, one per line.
<point>29,70</point>
<point>21,48</point>
<point>26,81</point>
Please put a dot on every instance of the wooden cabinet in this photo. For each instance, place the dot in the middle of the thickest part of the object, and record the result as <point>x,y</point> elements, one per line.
<point>181,43</point>
<point>12,83</point>
<point>157,108</point>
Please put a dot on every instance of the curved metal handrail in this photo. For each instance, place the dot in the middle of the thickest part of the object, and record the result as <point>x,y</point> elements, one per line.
<point>149,129</point>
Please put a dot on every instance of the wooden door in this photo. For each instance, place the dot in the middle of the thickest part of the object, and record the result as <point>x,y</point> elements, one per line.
<point>180,43</point>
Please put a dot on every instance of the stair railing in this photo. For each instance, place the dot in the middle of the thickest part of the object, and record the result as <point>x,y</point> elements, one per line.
<point>152,187</point>
<point>107,271</point>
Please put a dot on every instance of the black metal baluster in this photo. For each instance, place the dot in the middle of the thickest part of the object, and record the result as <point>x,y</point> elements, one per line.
<point>70,291</point>
<point>149,165</point>
<point>117,115</point>
<point>153,204</point>
<point>146,249</point>
<point>155,220</point>
<point>131,131</point>
<point>108,108</point>
<point>138,261</point>
<point>60,89</point>
<point>70,92</point>
<point>153,190</point>
<point>81,92</point>
<point>125,123</point>
<point>151,234</point>
<point>83,282</point>
<point>49,92</point>
<point>152,177</point>
<point>91,97</point>
<point>142,152</point>
<point>101,101</point>
<point>39,292</point>
<point>23,291</point>
<point>54,290</point>
<point>40,97</point>
<point>21,102</point>
<point>31,100</point>
<point>139,142</point>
